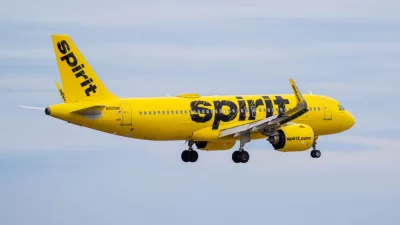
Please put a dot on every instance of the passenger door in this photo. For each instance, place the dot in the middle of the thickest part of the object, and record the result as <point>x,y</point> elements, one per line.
<point>126,114</point>
<point>327,112</point>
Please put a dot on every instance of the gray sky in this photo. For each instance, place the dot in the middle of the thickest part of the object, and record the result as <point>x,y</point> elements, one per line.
<point>52,172</point>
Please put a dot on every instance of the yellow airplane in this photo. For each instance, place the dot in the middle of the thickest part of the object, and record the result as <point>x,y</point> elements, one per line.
<point>289,122</point>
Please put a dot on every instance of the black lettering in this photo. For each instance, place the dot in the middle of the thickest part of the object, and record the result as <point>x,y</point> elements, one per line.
<point>296,93</point>
<point>253,107</point>
<point>269,106</point>
<point>86,82</point>
<point>112,108</point>
<point>242,108</point>
<point>91,88</point>
<point>81,74</point>
<point>62,95</point>
<point>68,57</point>
<point>220,115</point>
<point>197,107</point>
<point>76,69</point>
<point>63,47</point>
<point>281,102</point>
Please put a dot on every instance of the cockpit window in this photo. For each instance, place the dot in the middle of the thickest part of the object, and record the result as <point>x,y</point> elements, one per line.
<point>341,108</point>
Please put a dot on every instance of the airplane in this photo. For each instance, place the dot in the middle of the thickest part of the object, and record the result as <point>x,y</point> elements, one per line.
<point>289,122</point>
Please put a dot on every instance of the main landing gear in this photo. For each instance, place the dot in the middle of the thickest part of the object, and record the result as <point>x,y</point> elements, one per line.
<point>315,153</point>
<point>190,155</point>
<point>241,156</point>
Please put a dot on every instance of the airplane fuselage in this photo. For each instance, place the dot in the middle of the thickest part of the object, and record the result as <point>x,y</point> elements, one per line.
<point>184,117</point>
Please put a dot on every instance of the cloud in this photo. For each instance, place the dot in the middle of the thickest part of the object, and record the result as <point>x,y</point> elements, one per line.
<point>180,12</point>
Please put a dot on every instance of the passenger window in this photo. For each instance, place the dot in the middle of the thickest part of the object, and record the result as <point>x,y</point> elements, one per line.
<point>185,112</point>
<point>154,113</point>
<point>150,113</point>
<point>145,113</point>
<point>319,109</point>
<point>181,112</point>
<point>163,112</point>
<point>140,113</point>
<point>172,112</point>
<point>315,109</point>
<point>310,109</point>
<point>167,112</point>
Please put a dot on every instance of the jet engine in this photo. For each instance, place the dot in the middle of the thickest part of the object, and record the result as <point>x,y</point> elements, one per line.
<point>291,138</point>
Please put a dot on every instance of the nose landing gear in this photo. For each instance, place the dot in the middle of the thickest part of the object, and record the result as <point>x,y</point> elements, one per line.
<point>315,153</point>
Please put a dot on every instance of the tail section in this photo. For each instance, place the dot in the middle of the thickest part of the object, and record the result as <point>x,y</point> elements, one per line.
<point>63,97</point>
<point>78,79</point>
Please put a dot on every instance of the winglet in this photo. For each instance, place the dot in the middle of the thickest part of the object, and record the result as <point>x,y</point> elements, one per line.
<point>296,92</point>
<point>61,92</point>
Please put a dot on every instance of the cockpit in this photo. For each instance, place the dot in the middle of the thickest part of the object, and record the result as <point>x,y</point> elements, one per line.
<point>341,108</point>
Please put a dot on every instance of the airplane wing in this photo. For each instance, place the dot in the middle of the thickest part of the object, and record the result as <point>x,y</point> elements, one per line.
<point>273,122</point>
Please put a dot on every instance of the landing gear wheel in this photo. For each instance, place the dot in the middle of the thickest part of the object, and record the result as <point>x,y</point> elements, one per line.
<point>236,157</point>
<point>193,156</point>
<point>185,156</point>
<point>244,157</point>
<point>315,153</point>
<point>240,157</point>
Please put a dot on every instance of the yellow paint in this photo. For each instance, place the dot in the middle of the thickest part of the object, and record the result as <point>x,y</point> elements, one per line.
<point>168,118</point>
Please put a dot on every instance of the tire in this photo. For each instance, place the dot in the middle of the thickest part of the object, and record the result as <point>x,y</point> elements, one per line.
<point>244,157</point>
<point>193,156</point>
<point>312,154</point>
<point>235,157</point>
<point>317,154</point>
<point>185,156</point>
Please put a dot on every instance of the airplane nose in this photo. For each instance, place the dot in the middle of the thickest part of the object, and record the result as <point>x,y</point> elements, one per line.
<point>350,120</point>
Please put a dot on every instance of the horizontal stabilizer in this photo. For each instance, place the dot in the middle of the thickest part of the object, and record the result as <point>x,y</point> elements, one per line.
<point>88,108</point>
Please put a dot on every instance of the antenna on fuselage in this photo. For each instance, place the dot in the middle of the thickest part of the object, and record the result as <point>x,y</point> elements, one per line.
<point>310,92</point>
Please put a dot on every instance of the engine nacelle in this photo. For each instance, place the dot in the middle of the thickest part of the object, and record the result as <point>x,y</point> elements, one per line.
<point>215,145</point>
<point>291,138</point>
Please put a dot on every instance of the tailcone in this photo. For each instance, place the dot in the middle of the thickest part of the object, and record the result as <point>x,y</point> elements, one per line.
<point>47,111</point>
